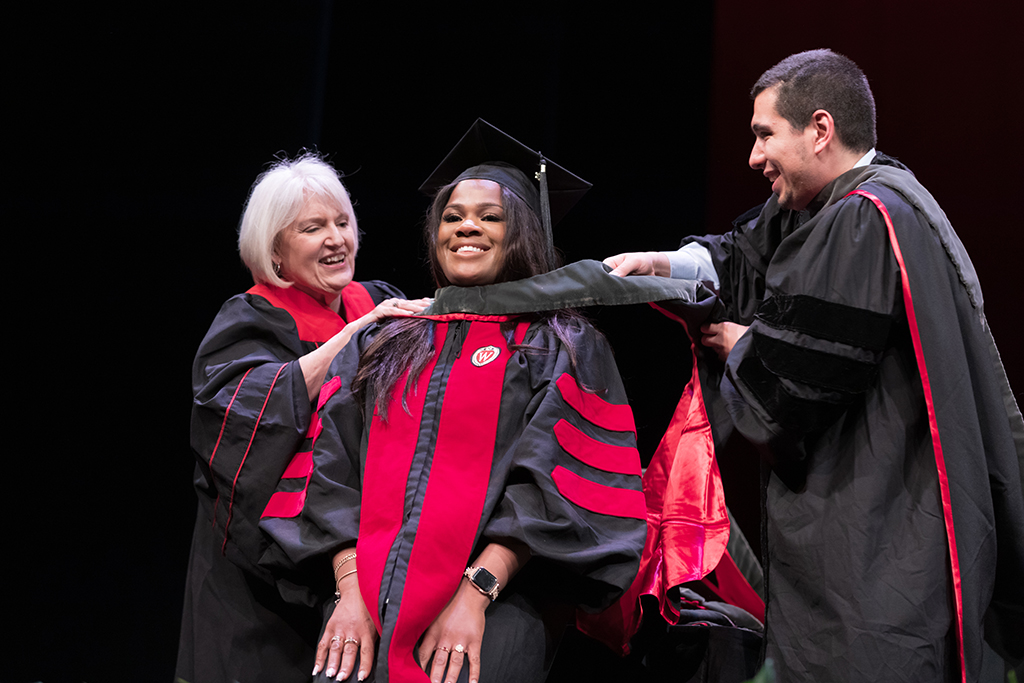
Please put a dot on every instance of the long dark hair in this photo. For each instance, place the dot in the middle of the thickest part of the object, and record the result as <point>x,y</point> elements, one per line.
<point>407,344</point>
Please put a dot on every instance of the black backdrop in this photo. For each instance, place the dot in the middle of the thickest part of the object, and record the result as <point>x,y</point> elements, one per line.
<point>140,128</point>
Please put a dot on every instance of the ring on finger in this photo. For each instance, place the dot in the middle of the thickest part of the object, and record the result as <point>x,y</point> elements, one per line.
<point>444,648</point>
<point>351,640</point>
<point>459,648</point>
<point>335,639</point>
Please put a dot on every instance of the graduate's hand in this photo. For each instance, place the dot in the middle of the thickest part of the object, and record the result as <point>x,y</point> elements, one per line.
<point>455,637</point>
<point>639,263</point>
<point>350,631</point>
<point>721,337</point>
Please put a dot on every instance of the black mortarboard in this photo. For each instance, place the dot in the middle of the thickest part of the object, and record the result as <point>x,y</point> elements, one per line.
<point>487,153</point>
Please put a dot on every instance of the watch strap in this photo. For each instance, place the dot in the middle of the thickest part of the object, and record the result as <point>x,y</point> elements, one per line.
<point>481,583</point>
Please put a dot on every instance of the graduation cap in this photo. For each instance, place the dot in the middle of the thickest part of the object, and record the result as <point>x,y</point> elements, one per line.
<point>486,153</point>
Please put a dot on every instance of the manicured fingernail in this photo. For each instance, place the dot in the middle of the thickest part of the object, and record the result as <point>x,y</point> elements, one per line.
<point>342,675</point>
<point>330,672</point>
<point>362,675</point>
<point>316,669</point>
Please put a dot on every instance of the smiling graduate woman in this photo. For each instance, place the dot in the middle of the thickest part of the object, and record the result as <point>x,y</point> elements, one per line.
<point>255,379</point>
<point>494,455</point>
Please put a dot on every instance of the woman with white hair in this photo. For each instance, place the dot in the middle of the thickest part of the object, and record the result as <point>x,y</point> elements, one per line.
<point>256,380</point>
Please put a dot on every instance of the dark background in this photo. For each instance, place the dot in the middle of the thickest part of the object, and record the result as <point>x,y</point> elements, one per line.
<point>139,129</point>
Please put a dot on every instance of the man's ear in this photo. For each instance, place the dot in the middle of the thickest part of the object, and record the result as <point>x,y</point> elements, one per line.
<point>824,129</point>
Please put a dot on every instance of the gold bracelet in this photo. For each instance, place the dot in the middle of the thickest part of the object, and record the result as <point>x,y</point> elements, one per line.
<point>338,580</point>
<point>337,586</point>
<point>350,556</point>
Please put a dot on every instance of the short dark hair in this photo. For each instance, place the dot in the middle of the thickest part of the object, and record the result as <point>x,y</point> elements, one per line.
<point>525,246</point>
<point>822,79</point>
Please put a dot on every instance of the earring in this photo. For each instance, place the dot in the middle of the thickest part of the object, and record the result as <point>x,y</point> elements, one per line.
<point>277,269</point>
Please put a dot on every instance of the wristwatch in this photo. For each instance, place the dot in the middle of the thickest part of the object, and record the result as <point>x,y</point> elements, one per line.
<point>483,581</point>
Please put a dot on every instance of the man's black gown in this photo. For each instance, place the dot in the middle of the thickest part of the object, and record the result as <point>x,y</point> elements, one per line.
<point>827,382</point>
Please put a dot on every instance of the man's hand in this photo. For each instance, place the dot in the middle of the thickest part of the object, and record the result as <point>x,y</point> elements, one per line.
<point>721,337</point>
<point>640,263</point>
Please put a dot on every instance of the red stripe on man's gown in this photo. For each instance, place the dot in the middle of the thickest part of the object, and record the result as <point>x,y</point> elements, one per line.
<point>933,423</point>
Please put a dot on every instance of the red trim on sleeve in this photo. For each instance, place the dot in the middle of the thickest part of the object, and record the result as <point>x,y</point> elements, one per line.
<point>330,388</point>
<point>226,413</point>
<point>940,462</point>
<point>593,408</point>
<point>300,466</point>
<point>590,451</point>
<point>604,500</point>
<point>290,503</point>
<point>234,483</point>
<point>216,503</point>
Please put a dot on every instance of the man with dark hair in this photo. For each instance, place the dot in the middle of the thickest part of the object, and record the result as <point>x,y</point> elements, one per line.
<point>868,379</point>
<point>822,79</point>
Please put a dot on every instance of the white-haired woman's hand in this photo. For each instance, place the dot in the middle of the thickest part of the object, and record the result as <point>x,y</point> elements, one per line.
<point>390,308</point>
<point>315,363</point>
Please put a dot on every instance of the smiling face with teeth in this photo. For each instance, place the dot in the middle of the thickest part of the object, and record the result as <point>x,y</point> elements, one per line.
<point>471,234</point>
<point>317,251</point>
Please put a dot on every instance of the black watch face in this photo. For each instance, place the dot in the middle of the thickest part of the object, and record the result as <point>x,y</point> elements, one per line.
<point>484,580</point>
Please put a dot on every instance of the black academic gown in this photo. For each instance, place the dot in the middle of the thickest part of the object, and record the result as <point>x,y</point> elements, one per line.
<point>499,443</point>
<point>251,411</point>
<point>858,564</point>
